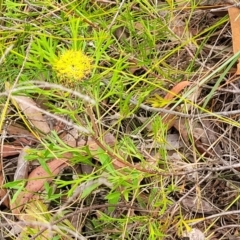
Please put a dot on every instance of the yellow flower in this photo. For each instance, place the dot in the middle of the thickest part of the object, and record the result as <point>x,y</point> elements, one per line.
<point>72,66</point>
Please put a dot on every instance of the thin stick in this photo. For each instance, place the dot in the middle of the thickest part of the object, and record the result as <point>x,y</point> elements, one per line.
<point>115,16</point>
<point>185,115</point>
<point>41,84</point>
<point>79,128</point>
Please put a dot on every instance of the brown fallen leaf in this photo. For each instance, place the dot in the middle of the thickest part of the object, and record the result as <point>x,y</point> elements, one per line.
<point>17,129</point>
<point>169,119</point>
<point>234,14</point>
<point>34,116</point>
<point>176,89</point>
<point>35,183</point>
<point>109,140</point>
<point>22,165</point>
<point>71,140</point>
<point>10,150</point>
<point>198,205</point>
<point>23,136</point>
<point>201,142</point>
<point>3,192</point>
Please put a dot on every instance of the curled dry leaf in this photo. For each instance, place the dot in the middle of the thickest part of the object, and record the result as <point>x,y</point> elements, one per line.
<point>36,181</point>
<point>176,89</point>
<point>17,129</point>
<point>178,26</point>
<point>121,33</point>
<point>182,127</point>
<point>71,139</point>
<point>33,115</point>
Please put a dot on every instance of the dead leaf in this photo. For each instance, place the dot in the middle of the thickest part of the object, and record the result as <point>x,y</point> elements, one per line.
<point>17,129</point>
<point>204,139</point>
<point>87,185</point>
<point>234,15</point>
<point>201,141</point>
<point>121,34</point>
<point>10,150</point>
<point>3,192</point>
<point>22,165</point>
<point>178,26</point>
<point>198,205</point>
<point>23,136</point>
<point>176,89</point>
<point>36,181</point>
<point>169,119</point>
<point>35,117</point>
<point>108,139</point>
<point>71,137</point>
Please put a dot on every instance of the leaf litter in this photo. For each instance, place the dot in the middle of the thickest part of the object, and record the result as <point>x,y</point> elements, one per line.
<point>188,145</point>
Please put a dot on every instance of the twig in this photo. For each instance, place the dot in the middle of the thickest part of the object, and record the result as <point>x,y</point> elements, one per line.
<point>23,64</point>
<point>223,168</point>
<point>236,5</point>
<point>79,128</point>
<point>235,212</point>
<point>117,13</point>
<point>41,84</point>
<point>162,110</point>
<point>185,115</point>
<point>227,226</point>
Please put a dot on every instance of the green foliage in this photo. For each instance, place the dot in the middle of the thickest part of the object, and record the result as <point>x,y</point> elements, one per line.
<point>131,49</point>
<point>16,185</point>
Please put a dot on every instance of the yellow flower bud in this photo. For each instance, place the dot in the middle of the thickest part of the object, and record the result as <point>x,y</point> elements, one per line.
<point>72,66</point>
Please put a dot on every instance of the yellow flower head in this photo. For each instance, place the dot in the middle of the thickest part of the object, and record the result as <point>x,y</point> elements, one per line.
<point>72,66</point>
